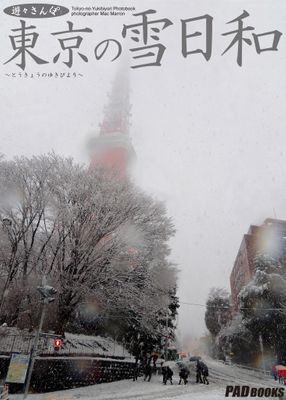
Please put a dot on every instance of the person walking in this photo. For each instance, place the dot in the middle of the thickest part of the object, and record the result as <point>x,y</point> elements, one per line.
<point>205,373</point>
<point>274,371</point>
<point>148,372</point>
<point>183,374</point>
<point>167,375</point>
<point>135,372</point>
<point>199,372</point>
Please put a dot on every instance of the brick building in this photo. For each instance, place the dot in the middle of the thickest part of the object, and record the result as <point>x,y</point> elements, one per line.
<point>270,239</point>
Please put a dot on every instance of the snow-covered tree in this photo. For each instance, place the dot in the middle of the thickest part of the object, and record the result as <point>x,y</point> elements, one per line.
<point>237,341</point>
<point>217,310</point>
<point>262,314</point>
<point>25,195</point>
<point>263,304</point>
<point>96,238</point>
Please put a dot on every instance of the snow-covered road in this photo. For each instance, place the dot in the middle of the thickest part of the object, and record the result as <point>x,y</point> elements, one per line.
<point>220,376</point>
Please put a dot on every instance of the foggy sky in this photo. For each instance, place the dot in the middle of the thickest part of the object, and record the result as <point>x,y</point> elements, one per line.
<point>209,136</point>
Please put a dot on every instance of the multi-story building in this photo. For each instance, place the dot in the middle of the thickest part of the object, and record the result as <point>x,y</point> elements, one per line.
<point>270,239</point>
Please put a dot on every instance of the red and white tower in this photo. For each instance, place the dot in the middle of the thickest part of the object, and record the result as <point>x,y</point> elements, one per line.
<point>112,148</point>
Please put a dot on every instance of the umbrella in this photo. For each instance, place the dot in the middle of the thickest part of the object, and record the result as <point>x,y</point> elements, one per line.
<point>281,370</point>
<point>280,367</point>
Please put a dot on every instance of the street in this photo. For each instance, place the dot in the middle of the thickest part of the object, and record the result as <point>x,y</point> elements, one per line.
<point>220,376</point>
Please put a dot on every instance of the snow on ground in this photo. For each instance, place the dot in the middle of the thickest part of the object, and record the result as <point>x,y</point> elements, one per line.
<point>220,376</point>
<point>129,390</point>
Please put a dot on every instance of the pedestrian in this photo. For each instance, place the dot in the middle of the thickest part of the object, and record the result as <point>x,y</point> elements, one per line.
<point>135,371</point>
<point>279,376</point>
<point>205,373</point>
<point>167,375</point>
<point>183,374</point>
<point>148,372</point>
<point>160,369</point>
<point>155,368</point>
<point>199,372</point>
<point>274,371</point>
<point>283,376</point>
<point>164,373</point>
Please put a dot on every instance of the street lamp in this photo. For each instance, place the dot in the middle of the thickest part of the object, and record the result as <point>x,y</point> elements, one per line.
<point>47,293</point>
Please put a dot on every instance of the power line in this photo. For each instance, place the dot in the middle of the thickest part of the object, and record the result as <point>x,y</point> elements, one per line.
<point>194,304</point>
<point>229,307</point>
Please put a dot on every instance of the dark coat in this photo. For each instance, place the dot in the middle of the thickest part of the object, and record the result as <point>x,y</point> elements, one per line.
<point>204,369</point>
<point>148,369</point>
<point>184,373</point>
<point>167,372</point>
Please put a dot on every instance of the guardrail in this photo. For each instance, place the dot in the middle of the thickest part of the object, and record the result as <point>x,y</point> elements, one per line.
<point>260,370</point>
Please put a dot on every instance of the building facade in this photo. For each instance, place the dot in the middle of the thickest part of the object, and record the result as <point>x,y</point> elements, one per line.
<point>269,239</point>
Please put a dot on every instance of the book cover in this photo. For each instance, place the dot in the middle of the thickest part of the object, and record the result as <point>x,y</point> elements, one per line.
<point>142,209</point>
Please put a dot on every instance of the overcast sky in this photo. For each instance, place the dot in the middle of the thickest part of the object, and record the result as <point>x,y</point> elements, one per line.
<point>209,136</point>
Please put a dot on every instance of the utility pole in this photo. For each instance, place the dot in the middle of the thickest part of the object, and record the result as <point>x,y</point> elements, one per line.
<point>46,292</point>
<point>167,337</point>
<point>262,352</point>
